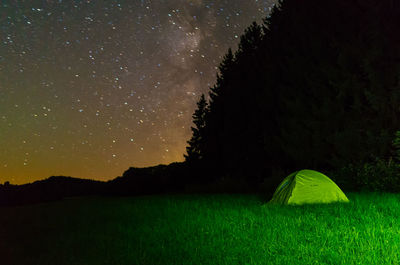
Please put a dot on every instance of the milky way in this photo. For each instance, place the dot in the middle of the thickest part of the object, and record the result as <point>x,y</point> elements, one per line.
<point>90,88</point>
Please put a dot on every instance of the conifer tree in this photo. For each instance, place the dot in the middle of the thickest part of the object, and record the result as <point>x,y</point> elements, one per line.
<point>196,143</point>
<point>316,86</point>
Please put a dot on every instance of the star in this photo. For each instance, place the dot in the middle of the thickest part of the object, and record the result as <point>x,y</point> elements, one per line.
<point>76,76</point>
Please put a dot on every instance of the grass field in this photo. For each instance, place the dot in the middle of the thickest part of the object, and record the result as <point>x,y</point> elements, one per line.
<point>201,229</point>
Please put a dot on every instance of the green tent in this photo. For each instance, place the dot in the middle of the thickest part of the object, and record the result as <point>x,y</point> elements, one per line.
<point>307,186</point>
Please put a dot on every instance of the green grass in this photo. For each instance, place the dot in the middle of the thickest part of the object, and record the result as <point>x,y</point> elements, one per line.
<point>201,229</point>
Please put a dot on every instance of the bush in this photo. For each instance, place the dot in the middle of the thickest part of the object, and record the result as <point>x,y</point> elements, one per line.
<point>396,146</point>
<point>380,175</point>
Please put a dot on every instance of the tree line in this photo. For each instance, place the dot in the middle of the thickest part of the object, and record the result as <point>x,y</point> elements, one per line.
<point>316,85</point>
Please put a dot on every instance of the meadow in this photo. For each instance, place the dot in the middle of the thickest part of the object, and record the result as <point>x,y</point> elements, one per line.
<point>201,229</point>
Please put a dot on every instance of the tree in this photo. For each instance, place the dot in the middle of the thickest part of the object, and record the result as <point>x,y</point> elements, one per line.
<point>317,86</point>
<point>196,143</point>
<point>215,132</point>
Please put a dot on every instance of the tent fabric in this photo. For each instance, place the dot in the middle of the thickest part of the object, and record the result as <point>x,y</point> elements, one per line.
<point>307,186</point>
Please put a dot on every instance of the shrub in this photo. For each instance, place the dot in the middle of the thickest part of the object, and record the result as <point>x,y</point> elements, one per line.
<point>380,175</point>
<point>396,146</point>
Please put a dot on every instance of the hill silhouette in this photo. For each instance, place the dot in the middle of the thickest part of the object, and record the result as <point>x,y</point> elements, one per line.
<point>134,181</point>
<point>50,189</point>
<point>315,86</point>
<point>149,180</point>
<point>176,177</point>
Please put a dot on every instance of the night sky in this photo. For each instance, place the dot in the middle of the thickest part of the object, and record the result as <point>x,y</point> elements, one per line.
<point>91,88</point>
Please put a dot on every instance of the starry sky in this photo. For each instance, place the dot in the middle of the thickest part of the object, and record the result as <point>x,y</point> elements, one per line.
<point>91,88</point>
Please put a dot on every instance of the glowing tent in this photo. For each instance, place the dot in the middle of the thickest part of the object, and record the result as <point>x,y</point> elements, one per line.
<point>308,186</point>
